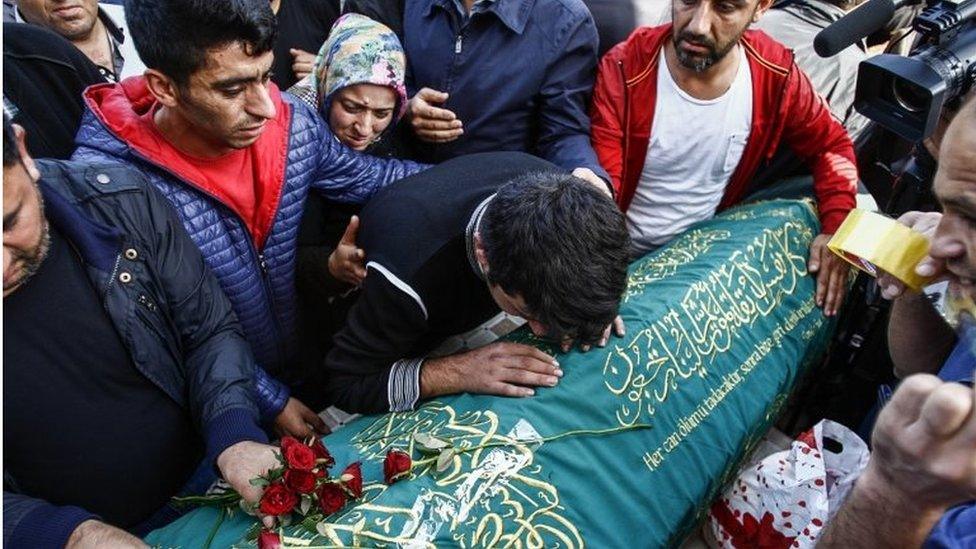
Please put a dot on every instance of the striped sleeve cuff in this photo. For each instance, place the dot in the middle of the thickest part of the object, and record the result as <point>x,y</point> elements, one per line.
<point>403,389</point>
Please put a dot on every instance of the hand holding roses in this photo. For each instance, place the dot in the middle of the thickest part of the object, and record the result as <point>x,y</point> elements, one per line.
<point>244,461</point>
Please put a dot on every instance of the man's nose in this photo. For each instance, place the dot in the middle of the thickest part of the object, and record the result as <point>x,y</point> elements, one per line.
<point>8,257</point>
<point>260,104</point>
<point>537,328</point>
<point>700,23</point>
<point>949,241</point>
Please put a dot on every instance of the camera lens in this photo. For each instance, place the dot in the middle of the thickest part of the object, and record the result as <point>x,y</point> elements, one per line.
<point>910,96</point>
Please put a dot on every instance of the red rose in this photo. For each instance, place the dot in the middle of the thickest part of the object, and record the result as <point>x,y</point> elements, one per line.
<point>298,456</point>
<point>395,466</point>
<point>352,480</point>
<point>331,498</point>
<point>300,481</point>
<point>322,453</point>
<point>278,500</point>
<point>269,539</point>
<point>288,441</point>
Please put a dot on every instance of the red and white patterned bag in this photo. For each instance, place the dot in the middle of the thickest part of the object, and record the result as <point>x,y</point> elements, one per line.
<point>784,500</point>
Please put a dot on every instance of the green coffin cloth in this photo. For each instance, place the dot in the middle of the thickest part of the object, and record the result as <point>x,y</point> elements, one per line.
<point>720,325</point>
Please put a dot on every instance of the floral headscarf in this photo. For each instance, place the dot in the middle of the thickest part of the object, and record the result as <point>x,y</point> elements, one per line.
<point>359,51</point>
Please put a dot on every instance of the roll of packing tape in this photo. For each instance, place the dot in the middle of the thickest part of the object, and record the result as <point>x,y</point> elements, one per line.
<point>871,241</point>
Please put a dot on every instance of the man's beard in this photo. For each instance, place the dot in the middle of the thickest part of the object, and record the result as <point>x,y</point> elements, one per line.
<point>715,52</point>
<point>32,261</point>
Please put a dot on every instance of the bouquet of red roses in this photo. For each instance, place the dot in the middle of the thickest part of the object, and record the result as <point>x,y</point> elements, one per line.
<point>302,486</point>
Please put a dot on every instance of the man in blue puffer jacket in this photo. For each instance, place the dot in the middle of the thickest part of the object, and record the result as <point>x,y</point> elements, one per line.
<point>235,158</point>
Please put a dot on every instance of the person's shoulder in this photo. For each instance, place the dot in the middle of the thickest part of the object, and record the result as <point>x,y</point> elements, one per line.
<point>768,50</point>
<point>115,194</point>
<point>304,119</point>
<point>83,181</point>
<point>638,50</point>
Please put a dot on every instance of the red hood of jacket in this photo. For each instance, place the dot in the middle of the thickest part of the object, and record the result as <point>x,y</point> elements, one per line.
<point>126,108</point>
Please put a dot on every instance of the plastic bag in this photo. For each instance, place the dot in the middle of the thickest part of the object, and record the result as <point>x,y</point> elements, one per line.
<point>785,499</point>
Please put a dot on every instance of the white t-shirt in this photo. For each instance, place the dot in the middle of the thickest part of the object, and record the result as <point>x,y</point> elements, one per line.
<point>695,146</point>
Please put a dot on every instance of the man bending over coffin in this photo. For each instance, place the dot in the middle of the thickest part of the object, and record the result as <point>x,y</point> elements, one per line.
<point>449,249</point>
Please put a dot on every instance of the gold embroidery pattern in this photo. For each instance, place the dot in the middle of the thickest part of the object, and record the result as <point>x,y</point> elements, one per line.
<point>684,250</point>
<point>714,312</point>
<point>488,497</point>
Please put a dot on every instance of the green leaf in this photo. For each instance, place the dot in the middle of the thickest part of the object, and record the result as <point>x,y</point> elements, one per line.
<point>310,521</point>
<point>259,481</point>
<point>445,459</point>
<point>305,504</point>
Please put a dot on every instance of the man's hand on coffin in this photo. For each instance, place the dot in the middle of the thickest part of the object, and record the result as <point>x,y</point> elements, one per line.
<point>93,534</point>
<point>831,272</point>
<point>617,327</point>
<point>501,368</point>
<point>299,421</point>
<point>925,223</point>
<point>246,460</point>
<point>347,261</point>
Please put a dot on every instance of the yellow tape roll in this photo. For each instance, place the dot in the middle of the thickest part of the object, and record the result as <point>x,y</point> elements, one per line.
<point>871,241</point>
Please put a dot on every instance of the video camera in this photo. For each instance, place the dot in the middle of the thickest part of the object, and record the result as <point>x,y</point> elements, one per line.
<point>907,94</point>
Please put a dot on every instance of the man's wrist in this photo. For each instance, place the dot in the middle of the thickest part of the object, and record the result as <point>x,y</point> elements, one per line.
<point>904,511</point>
<point>438,376</point>
<point>229,429</point>
<point>93,533</point>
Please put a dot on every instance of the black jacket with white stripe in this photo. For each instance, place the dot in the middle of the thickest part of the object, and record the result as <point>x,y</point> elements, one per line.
<point>421,285</point>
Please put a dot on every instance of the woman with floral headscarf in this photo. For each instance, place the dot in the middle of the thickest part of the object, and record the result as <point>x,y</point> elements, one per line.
<point>357,87</point>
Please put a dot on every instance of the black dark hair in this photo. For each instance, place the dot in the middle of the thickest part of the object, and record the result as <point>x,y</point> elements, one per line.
<point>173,36</point>
<point>562,245</point>
<point>11,154</point>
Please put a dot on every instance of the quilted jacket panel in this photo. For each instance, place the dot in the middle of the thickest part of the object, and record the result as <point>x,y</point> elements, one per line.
<point>260,284</point>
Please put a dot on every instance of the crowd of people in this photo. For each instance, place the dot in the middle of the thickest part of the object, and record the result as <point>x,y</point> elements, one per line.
<point>221,216</point>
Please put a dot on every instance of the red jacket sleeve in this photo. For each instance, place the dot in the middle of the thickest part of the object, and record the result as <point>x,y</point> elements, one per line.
<point>823,142</point>
<point>606,118</point>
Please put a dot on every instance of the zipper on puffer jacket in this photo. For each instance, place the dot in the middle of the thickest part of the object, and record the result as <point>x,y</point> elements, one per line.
<point>262,265</point>
<point>279,341</point>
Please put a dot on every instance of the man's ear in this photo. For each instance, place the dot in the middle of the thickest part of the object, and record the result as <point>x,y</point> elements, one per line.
<point>761,9</point>
<point>479,253</point>
<point>163,88</point>
<point>25,158</point>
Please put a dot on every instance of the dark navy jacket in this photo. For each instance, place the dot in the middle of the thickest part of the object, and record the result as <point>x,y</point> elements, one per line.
<point>167,306</point>
<point>519,74</point>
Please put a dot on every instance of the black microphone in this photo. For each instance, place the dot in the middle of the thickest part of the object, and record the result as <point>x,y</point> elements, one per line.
<point>855,25</point>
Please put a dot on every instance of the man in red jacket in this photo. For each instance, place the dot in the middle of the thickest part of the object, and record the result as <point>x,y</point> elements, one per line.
<point>685,114</point>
